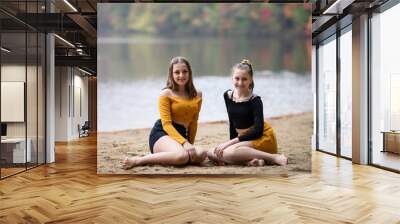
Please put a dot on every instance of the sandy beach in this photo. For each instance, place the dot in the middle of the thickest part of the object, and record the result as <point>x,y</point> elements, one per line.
<point>293,134</point>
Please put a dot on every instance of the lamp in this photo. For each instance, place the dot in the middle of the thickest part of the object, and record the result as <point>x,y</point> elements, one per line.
<point>84,71</point>
<point>5,49</point>
<point>337,7</point>
<point>70,5</point>
<point>64,40</point>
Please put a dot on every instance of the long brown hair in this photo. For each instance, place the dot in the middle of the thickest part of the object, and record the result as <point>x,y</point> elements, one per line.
<point>246,65</point>
<point>189,87</point>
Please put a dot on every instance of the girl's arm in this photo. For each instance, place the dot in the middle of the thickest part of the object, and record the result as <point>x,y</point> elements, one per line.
<point>257,129</point>
<point>193,123</point>
<point>164,105</point>
<point>232,131</point>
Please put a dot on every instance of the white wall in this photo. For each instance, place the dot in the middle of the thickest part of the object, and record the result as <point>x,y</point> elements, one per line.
<point>80,110</point>
<point>32,127</point>
<point>70,83</point>
<point>12,73</point>
<point>62,81</point>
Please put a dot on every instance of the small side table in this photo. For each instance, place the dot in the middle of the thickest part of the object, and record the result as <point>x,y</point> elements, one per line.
<point>14,149</point>
<point>391,141</point>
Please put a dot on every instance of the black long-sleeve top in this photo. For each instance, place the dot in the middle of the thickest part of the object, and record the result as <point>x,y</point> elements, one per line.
<point>245,115</point>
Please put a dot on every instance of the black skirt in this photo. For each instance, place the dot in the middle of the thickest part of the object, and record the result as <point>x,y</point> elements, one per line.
<point>157,132</point>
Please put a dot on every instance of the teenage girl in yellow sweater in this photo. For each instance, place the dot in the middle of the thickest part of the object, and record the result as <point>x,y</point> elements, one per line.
<point>252,140</point>
<point>171,138</point>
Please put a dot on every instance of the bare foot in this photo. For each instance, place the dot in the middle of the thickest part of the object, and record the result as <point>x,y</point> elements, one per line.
<point>219,163</point>
<point>281,160</point>
<point>130,162</point>
<point>198,156</point>
<point>256,162</point>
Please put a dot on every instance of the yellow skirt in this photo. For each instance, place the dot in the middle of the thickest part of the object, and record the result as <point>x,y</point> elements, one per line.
<point>267,142</point>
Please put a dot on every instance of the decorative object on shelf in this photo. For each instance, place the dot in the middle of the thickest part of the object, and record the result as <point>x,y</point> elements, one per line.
<point>391,141</point>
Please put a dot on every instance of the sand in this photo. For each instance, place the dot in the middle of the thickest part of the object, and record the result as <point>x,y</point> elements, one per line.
<point>293,135</point>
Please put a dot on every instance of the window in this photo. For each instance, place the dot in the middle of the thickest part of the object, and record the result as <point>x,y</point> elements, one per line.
<point>346,75</point>
<point>385,88</point>
<point>327,95</point>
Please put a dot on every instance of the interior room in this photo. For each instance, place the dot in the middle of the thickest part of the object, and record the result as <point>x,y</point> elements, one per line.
<point>49,151</point>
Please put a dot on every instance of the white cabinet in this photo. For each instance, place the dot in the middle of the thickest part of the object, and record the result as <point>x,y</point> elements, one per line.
<point>17,147</point>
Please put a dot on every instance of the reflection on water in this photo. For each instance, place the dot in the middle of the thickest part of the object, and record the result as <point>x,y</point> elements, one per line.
<point>133,104</point>
<point>123,59</point>
<point>133,71</point>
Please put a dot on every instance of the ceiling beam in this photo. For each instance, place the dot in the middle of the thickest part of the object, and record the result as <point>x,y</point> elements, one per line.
<point>83,23</point>
<point>83,61</point>
<point>337,7</point>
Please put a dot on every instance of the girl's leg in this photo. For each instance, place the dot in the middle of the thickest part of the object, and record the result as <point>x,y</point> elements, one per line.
<point>220,161</point>
<point>243,152</point>
<point>196,155</point>
<point>166,152</point>
<point>256,162</point>
<point>211,156</point>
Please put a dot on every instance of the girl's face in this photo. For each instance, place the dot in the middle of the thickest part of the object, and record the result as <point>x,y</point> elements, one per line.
<point>180,73</point>
<point>241,79</point>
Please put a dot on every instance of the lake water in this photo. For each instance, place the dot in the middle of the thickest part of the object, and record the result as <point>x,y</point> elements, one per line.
<point>131,73</point>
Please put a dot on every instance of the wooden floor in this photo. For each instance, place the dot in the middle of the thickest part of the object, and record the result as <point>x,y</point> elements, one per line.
<point>70,191</point>
<point>388,159</point>
<point>10,171</point>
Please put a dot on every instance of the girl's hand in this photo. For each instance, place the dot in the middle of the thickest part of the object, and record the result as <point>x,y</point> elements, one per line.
<point>196,154</point>
<point>219,150</point>
<point>191,150</point>
<point>187,146</point>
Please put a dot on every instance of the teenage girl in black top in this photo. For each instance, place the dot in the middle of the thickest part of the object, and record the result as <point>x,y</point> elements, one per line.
<point>252,140</point>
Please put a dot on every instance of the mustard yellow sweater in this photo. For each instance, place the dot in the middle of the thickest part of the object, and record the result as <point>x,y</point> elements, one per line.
<point>179,110</point>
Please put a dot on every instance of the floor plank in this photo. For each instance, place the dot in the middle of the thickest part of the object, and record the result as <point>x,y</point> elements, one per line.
<point>71,191</point>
